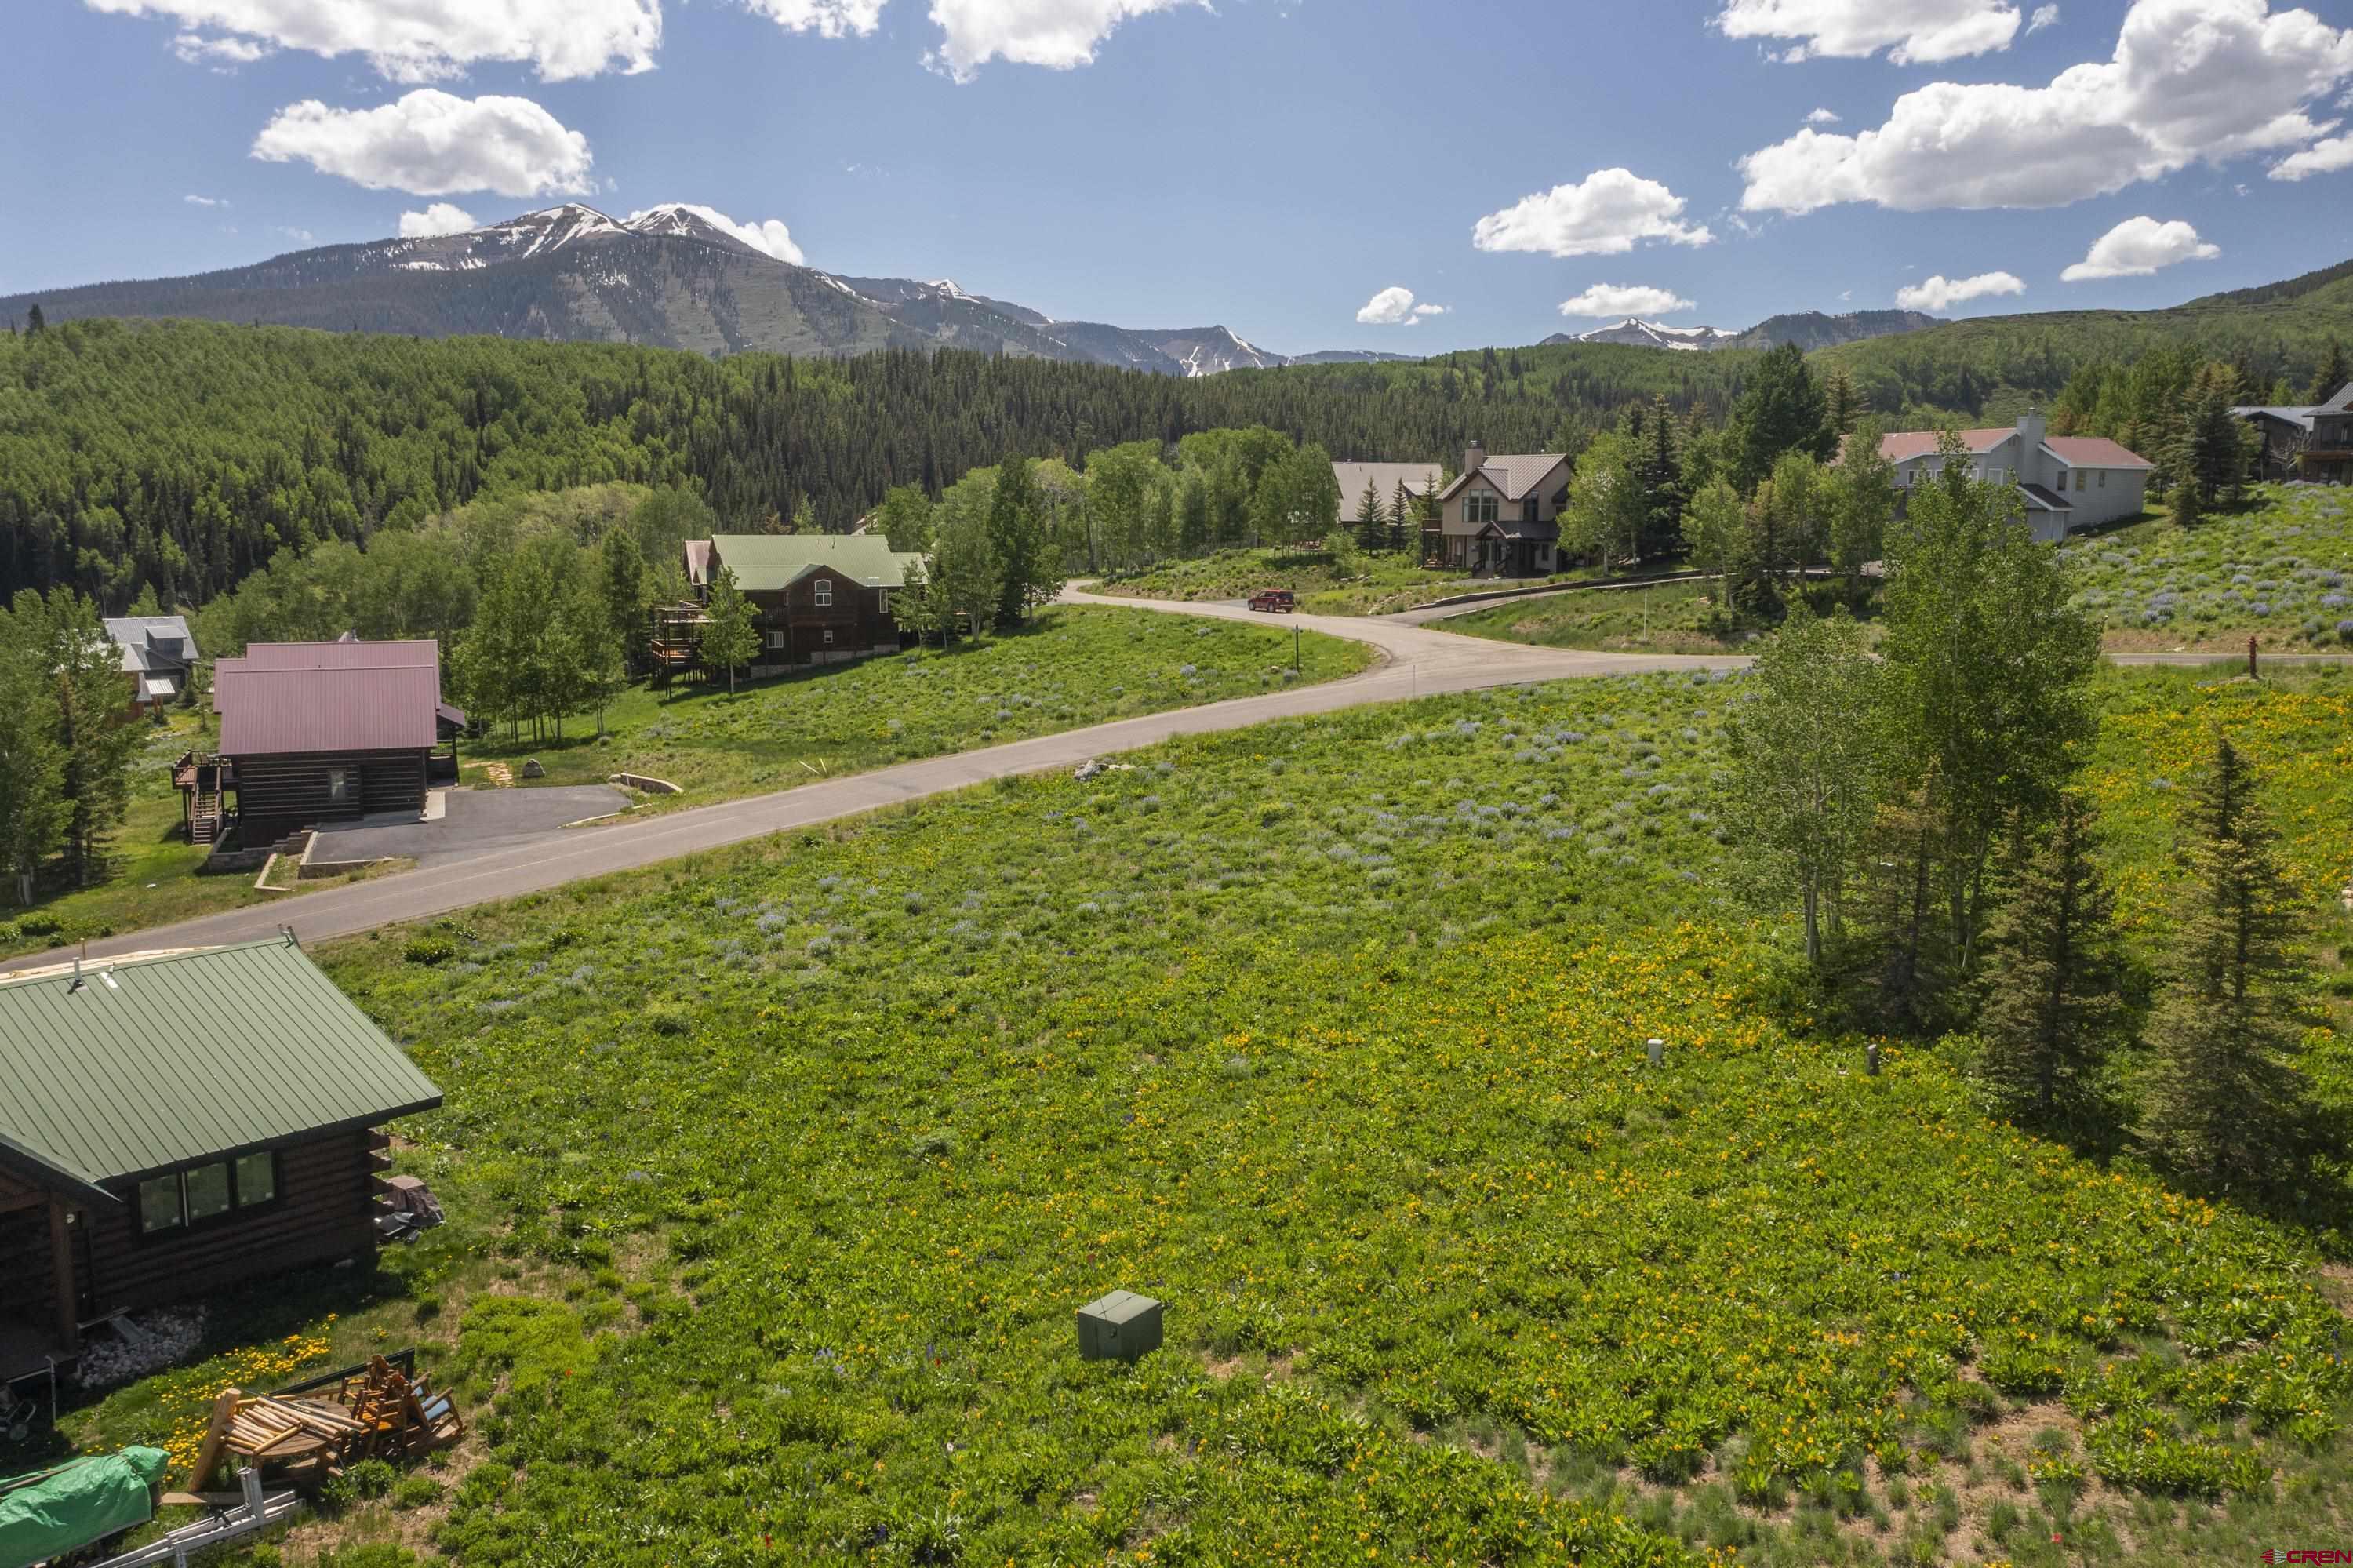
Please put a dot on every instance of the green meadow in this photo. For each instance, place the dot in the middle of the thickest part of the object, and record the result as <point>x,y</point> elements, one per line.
<point>776,1175</point>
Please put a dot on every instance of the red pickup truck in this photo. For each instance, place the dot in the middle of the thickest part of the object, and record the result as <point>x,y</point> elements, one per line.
<point>1281,601</point>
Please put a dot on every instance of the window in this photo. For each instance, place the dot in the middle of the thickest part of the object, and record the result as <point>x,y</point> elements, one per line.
<point>159,1205</point>
<point>256,1180</point>
<point>825,595</point>
<point>828,634</point>
<point>1481,506</point>
<point>207,1187</point>
<point>206,1193</point>
<point>1528,510</point>
<point>2104,479</point>
<point>777,636</point>
<point>339,785</point>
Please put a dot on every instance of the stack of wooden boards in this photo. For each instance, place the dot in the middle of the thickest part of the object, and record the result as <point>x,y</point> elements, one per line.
<point>377,1413</point>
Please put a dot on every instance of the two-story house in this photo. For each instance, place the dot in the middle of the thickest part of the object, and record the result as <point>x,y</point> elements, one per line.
<point>2067,483</point>
<point>816,599</point>
<point>2314,444</point>
<point>1502,514</point>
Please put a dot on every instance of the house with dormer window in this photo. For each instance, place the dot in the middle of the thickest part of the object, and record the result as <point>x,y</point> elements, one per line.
<point>816,599</point>
<point>2065,484</point>
<point>1501,518</point>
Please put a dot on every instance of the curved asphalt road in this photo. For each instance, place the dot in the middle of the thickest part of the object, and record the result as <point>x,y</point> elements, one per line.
<point>1415,663</point>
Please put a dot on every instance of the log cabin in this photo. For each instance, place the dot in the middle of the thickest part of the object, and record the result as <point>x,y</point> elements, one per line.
<point>316,732</point>
<point>177,1124</point>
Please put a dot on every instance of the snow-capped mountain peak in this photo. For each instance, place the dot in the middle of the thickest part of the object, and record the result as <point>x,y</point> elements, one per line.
<point>1650,335</point>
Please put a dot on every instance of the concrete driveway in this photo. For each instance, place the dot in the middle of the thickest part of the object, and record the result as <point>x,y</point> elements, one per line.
<point>473,822</point>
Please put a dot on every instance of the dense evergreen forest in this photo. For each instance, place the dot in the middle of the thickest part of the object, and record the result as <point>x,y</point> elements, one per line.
<point>182,455</point>
<point>1989,369</point>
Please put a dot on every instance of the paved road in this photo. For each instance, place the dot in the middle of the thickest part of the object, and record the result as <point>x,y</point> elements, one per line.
<point>1415,662</point>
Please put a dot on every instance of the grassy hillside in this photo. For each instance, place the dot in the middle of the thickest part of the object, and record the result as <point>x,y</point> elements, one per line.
<point>2277,571</point>
<point>1992,366</point>
<point>777,1176</point>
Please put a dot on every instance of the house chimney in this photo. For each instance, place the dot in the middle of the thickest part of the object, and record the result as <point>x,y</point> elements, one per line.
<point>2031,429</point>
<point>1475,458</point>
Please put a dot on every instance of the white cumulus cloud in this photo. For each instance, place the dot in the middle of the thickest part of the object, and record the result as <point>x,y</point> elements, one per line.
<point>1822,117</point>
<point>193,200</point>
<point>2189,79</point>
<point>1911,31</point>
<point>1396,307</point>
<point>420,40</point>
<point>2044,17</point>
<point>1605,214</point>
<point>2138,246</point>
<point>1942,293</point>
<point>441,218</point>
<point>2320,158</point>
<point>1060,34</point>
<point>1624,300</point>
<point>428,142</point>
<point>827,18</point>
<point>771,237</point>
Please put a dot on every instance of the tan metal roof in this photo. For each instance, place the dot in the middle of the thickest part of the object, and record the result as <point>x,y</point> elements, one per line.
<point>150,1063</point>
<point>770,563</point>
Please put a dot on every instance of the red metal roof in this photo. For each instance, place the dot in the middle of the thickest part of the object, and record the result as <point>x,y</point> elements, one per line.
<point>328,696</point>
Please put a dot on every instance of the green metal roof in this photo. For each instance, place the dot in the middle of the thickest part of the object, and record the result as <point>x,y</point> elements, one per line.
<point>161,1061</point>
<point>770,563</point>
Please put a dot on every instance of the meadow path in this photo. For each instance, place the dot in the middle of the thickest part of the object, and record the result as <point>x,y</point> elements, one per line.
<point>1416,662</point>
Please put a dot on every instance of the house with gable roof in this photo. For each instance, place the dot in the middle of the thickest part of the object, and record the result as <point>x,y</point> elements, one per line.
<point>2067,484</point>
<point>1501,518</point>
<point>816,599</point>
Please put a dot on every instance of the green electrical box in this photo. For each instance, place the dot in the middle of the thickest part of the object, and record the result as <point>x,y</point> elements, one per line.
<point>1121,1326</point>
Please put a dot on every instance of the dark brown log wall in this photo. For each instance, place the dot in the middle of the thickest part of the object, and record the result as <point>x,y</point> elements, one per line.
<point>325,1201</point>
<point>276,795</point>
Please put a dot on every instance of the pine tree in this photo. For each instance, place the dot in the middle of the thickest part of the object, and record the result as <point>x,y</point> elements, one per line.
<point>1372,523</point>
<point>2223,1095</point>
<point>90,705</point>
<point>1840,416</point>
<point>1782,410</point>
<point>33,804</point>
<point>2332,375</point>
<point>1657,471</point>
<point>622,585</point>
<point>1405,519</point>
<point>2053,960</point>
<point>35,323</point>
<point>729,638</point>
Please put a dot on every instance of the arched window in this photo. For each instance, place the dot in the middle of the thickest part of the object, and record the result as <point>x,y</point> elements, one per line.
<point>824,593</point>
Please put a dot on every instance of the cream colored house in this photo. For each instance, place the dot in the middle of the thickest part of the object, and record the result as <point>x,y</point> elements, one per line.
<point>2067,483</point>
<point>1502,515</point>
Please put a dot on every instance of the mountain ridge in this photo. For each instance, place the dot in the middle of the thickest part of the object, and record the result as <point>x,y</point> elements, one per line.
<point>667,277</point>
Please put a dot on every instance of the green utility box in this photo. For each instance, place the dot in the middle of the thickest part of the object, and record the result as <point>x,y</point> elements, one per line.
<point>1119,1326</point>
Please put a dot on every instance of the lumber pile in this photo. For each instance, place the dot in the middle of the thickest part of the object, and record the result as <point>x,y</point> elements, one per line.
<point>377,1413</point>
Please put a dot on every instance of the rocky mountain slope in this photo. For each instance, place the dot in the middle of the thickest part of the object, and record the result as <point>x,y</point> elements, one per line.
<point>669,277</point>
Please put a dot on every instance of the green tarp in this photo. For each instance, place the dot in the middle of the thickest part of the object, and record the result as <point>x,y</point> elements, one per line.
<point>77,1503</point>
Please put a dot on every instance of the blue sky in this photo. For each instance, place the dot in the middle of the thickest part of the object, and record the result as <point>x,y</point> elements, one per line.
<point>1279,166</point>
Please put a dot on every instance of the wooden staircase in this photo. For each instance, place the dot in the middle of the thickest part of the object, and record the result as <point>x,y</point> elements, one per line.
<point>204,820</point>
